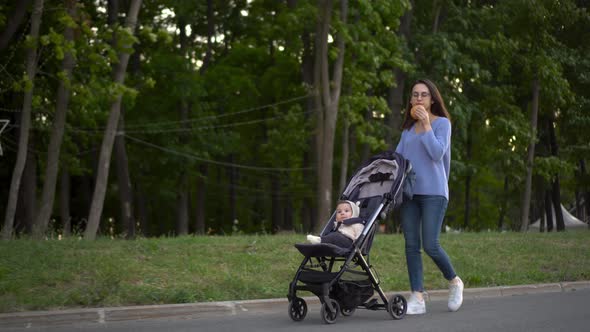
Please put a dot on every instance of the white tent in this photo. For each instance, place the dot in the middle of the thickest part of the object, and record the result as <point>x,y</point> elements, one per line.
<point>569,220</point>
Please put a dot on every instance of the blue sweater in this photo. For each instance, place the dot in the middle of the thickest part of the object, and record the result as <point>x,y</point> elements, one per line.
<point>430,155</point>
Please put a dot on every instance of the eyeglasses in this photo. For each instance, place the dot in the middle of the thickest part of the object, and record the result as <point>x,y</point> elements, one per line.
<point>415,95</point>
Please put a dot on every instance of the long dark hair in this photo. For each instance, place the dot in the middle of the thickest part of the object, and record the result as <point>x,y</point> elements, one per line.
<point>437,108</point>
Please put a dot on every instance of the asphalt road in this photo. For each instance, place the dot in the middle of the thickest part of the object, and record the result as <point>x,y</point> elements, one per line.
<point>541,310</point>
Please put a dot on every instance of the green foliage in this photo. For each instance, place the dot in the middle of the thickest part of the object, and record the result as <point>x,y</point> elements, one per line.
<point>547,167</point>
<point>241,76</point>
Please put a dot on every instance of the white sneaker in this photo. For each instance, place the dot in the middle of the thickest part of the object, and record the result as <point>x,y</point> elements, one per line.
<point>456,295</point>
<point>415,306</point>
<point>314,239</point>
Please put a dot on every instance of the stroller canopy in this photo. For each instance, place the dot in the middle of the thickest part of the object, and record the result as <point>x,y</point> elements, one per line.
<point>383,174</point>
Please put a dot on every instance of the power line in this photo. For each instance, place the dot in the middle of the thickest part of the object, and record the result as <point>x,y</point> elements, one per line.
<point>281,195</point>
<point>14,110</point>
<point>176,130</point>
<point>229,125</point>
<point>39,152</point>
<point>190,156</point>
<point>16,144</point>
<point>210,117</point>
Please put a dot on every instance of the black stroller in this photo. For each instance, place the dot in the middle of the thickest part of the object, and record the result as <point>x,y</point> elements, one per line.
<point>342,278</point>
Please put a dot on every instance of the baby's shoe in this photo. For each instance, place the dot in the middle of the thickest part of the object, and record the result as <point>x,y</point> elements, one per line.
<point>416,306</point>
<point>455,295</point>
<point>314,239</point>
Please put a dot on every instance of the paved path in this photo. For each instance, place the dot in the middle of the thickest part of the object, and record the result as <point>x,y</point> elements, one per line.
<point>495,303</point>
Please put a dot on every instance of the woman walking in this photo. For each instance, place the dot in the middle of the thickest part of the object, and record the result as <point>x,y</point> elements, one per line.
<point>426,143</point>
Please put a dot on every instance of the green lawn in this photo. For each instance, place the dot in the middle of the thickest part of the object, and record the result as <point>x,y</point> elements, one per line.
<point>73,273</point>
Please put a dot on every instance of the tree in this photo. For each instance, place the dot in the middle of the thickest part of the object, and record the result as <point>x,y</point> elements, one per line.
<point>31,70</point>
<point>395,93</point>
<point>14,22</point>
<point>328,88</point>
<point>110,131</point>
<point>63,96</point>
<point>526,196</point>
<point>228,93</point>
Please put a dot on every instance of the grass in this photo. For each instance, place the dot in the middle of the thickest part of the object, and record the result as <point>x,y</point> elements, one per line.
<point>45,275</point>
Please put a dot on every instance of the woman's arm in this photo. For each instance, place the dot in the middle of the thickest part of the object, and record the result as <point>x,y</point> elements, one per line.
<point>436,141</point>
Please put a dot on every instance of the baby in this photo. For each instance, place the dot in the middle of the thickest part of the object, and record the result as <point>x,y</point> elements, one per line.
<point>347,227</point>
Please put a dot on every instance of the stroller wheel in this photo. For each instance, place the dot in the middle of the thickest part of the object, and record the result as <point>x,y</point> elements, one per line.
<point>347,311</point>
<point>329,316</point>
<point>297,309</point>
<point>397,306</point>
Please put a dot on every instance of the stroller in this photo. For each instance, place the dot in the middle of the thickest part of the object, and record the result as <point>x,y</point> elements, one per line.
<point>342,278</point>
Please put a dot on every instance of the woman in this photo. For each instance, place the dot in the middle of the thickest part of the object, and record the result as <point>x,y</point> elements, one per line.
<point>426,143</point>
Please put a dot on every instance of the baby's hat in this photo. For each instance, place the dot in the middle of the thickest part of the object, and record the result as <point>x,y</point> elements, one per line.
<point>355,208</point>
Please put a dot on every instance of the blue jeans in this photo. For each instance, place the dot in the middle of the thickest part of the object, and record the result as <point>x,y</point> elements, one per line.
<point>421,220</point>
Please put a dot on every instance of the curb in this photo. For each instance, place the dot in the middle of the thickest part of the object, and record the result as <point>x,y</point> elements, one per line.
<point>36,319</point>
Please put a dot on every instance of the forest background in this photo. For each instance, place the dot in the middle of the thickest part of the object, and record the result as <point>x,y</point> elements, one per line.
<point>225,117</point>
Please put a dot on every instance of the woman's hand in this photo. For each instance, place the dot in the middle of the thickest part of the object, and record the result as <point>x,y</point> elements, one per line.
<point>420,113</point>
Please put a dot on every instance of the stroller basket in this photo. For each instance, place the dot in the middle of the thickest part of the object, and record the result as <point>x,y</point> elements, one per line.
<point>352,293</point>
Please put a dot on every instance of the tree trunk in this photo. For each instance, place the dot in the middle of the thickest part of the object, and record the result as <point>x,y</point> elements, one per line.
<point>124,181</point>
<point>23,141</point>
<point>64,201</point>
<point>526,198</point>
<point>587,193</point>
<point>201,194</point>
<point>345,155</point>
<point>395,101</point>
<point>548,212</point>
<point>14,21</point>
<point>57,133</point>
<point>579,208</point>
<point>365,147</point>
<point>27,201</point>
<point>288,214</point>
<point>277,211</point>
<point>308,209</point>
<point>321,51</point>
<point>436,21</point>
<point>585,196</point>
<point>109,136</point>
<point>183,186</point>
<point>556,199</point>
<point>142,211</point>
<point>182,205</point>
<point>395,94</point>
<point>556,189</point>
<point>85,190</point>
<point>233,215</point>
<point>182,194</point>
<point>468,177</point>
<point>200,199</point>
<point>504,205</point>
<point>127,206</point>
<point>210,36</point>
<point>537,198</point>
<point>328,90</point>
<point>112,12</point>
<point>467,211</point>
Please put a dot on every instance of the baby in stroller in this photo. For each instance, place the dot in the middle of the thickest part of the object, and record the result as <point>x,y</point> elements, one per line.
<point>347,226</point>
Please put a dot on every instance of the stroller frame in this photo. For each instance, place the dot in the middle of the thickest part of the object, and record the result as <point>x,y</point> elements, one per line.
<point>326,279</point>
